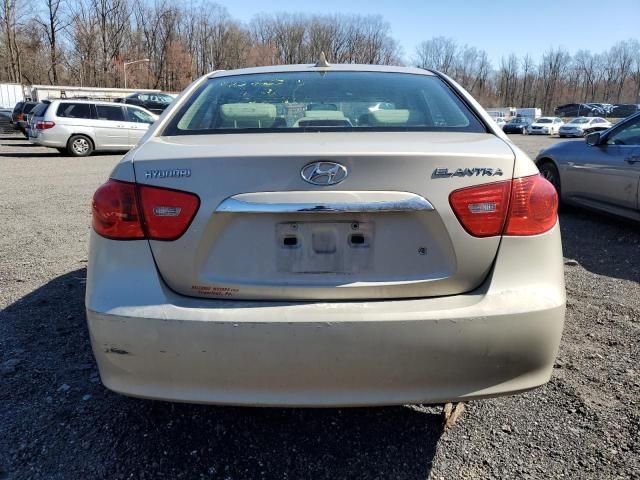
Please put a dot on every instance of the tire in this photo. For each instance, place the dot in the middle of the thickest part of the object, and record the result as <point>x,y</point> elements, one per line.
<point>561,136</point>
<point>79,146</point>
<point>550,172</point>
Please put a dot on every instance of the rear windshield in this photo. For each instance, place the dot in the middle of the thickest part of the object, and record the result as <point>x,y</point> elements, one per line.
<point>40,109</point>
<point>313,101</point>
<point>28,107</point>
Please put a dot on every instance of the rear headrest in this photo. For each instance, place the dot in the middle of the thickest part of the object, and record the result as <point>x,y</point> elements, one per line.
<point>394,117</point>
<point>248,111</point>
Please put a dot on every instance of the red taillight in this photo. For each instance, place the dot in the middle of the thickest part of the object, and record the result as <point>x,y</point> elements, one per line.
<point>482,209</point>
<point>115,211</point>
<point>127,211</point>
<point>20,116</point>
<point>167,213</point>
<point>44,125</point>
<point>533,208</point>
<point>522,206</point>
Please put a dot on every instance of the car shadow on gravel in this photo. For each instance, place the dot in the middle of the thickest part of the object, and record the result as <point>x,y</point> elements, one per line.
<point>59,422</point>
<point>602,244</point>
<point>30,154</point>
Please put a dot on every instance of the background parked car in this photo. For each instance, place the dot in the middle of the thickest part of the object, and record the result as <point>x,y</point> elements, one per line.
<point>601,173</point>
<point>580,126</point>
<point>589,110</point>
<point>154,102</point>
<point>18,117</point>
<point>517,125</point>
<point>623,110</point>
<point>5,120</point>
<point>37,111</point>
<point>80,127</point>
<point>545,126</point>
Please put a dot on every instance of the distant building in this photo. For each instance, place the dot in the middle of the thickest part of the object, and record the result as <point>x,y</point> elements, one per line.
<point>501,112</point>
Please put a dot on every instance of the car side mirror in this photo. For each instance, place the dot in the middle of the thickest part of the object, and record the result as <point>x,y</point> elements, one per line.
<point>593,139</point>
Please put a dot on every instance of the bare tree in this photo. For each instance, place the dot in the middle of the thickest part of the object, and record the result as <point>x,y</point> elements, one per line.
<point>439,54</point>
<point>9,18</point>
<point>52,25</point>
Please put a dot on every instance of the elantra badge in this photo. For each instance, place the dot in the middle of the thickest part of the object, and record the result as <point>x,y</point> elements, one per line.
<point>324,173</point>
<point>443,172</point>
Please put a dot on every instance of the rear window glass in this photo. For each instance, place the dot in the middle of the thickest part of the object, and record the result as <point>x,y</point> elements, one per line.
<point>74,110</point>
<point>28,107</point>
<point>109,112</point>
<point>303,101</point>
<point>40,109</point>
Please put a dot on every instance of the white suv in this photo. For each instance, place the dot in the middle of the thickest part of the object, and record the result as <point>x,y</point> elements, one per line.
<point>80,127</point>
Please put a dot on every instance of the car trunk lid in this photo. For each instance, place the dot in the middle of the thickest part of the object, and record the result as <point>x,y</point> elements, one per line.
<point>386,230</point>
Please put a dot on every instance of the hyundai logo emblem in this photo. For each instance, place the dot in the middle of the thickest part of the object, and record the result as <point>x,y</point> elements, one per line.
<point>324,173</point>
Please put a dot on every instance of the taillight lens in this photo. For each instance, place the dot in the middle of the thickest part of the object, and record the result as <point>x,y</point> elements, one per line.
<point>167,213</point>
<point>482,209</point>
<point>128,211</point>
<point>533,208</point>
<point>518,207</point>
<point>44,125</point>
<point>115,211</point>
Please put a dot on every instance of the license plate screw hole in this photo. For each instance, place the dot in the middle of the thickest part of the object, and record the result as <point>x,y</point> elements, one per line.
<point>355,226</point>
<point>357,239</point>
<point>290,242</point>
<point>422,251</point>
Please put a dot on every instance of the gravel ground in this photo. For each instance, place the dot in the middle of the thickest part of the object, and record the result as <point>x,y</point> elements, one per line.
<point>58,422</point>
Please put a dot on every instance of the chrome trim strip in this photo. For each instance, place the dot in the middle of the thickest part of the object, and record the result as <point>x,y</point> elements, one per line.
<point>414,204</point>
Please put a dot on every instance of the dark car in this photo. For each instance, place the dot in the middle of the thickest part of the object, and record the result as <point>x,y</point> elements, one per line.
<point>584,110</point>
<point>19,115</point>
<point>623,110</point>
<point>5,120</point>
<point>517,125</point>
<point>154,102</point>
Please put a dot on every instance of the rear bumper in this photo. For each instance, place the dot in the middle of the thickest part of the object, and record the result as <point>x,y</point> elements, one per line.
<point>49,139</point>
<point>500,339</point>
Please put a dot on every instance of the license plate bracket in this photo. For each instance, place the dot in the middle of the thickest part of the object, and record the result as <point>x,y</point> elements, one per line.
<point>344,247</point>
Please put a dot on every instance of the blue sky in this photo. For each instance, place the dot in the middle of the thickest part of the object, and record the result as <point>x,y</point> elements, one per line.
<point>497,26</point>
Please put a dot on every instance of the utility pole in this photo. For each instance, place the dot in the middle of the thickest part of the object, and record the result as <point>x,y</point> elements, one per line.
<point>131,63</point>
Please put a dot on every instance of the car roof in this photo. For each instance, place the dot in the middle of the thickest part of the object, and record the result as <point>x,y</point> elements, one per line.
<point>314,68</point>
<point>98,102</point>
<point>84,100</point>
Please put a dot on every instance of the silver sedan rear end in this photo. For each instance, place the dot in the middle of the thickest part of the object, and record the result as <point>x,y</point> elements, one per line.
<point>278,239</point>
